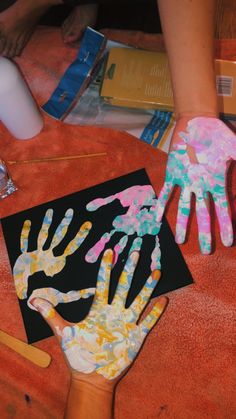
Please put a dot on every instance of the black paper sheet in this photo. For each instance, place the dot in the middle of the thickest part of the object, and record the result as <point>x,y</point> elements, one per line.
<point>77,273</point>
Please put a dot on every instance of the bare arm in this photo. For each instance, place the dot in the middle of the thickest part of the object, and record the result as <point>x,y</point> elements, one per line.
<point>188,28</point>
<point>90,400</point>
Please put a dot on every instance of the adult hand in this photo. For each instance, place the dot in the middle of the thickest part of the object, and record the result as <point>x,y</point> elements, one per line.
<point>200,153</point>
<point>106,342</point>
<point>29,263</point>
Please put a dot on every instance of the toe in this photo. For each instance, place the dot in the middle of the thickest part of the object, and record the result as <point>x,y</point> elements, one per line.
<point>7,49</point>
<point>66,26</point>
<point>2,43</point>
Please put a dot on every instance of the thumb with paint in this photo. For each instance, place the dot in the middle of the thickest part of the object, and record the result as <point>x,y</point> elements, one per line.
<point>48,312</point>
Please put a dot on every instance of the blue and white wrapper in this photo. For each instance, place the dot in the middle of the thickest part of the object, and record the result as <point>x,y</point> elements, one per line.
<point>7,186</point>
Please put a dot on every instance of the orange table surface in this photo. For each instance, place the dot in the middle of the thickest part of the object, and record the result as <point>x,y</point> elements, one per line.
<point>186,368</point>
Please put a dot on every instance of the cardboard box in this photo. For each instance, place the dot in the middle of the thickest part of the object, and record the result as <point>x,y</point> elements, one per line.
<point>141,79</point>
<point>226,86</point>
<point>137,78</point>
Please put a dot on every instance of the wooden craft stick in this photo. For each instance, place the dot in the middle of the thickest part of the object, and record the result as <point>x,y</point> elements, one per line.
<point>33,354</point>
<point>46,159</point>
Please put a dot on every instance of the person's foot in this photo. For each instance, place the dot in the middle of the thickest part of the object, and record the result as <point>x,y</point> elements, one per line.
<point>17,24</point>
<point>80,17</point>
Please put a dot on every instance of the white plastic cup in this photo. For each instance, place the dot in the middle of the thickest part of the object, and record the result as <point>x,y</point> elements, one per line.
<point>18,110</point>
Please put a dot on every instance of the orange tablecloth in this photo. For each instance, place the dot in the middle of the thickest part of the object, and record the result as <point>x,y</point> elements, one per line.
<point>186,368</point>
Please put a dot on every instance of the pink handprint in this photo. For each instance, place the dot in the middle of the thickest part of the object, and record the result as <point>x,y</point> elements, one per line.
<point>138,220</point>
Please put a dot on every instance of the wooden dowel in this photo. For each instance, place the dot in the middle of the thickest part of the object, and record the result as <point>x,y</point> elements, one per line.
<point>48,159</point>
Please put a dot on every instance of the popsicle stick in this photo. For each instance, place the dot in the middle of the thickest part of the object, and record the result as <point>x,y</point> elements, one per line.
<point>33,354</point>
<point>46,159</point>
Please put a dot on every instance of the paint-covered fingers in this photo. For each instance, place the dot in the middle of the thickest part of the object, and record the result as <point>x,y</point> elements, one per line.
<point>25,236</point>
<point>233,149</point>
<point>232,141</point>
<point>103,280</point>
<point>48,312</point>
<point>43,234</point>
<point>151,319</point>
<point>119,247</point>
<point>142,299</point>
<point>93,253</point>
<point>136,245</point>
<point>79,238</point>
<point>204,223</point>
<point>62,228</point>
<point>224,220</point>
<point>183,215</point>
<point>126,279</point>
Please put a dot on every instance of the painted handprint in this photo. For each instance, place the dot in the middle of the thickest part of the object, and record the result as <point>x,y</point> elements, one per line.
<point>198,163</point>
<point>138,220</point>
<point>109,338</point>
<point>39,259</point>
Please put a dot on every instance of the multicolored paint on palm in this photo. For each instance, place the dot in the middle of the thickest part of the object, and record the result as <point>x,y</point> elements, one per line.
<point>56,297</point>
<point>29,263</point>
<point>198,164</point>
<point>109,338</point>
<point>138,220</point>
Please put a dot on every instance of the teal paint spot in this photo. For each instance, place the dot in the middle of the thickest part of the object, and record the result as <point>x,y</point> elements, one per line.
<point>219,189</point>
<point>185,211</point>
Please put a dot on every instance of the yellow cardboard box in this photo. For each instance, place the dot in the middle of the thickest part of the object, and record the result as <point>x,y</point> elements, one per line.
<point>141,79</point>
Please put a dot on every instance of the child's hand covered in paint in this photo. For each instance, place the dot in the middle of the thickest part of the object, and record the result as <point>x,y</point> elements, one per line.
<point>137,220</point>
<point>109,338</point>
<point>198,163</point>
<point>29,263</point>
